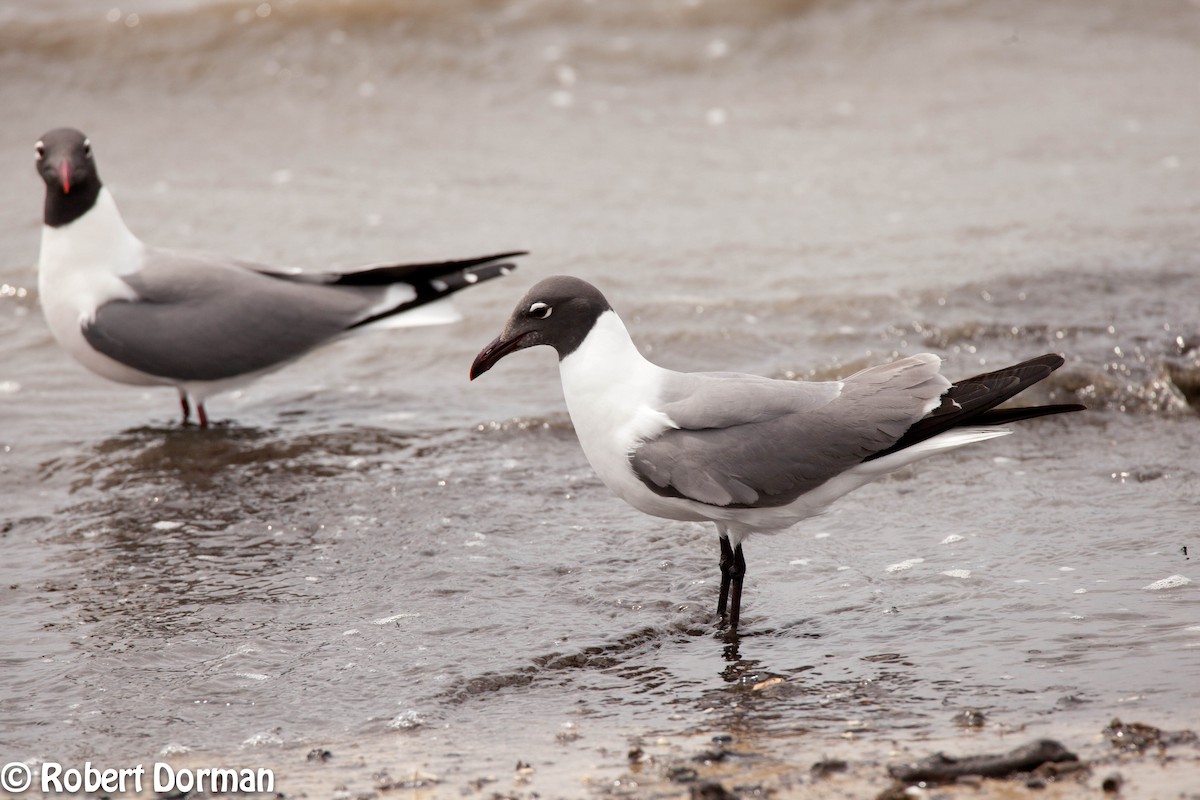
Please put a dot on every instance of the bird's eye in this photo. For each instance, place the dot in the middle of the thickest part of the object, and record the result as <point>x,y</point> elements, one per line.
<point>87,148</point>
<point>540,310</point>
<point>40,150</point>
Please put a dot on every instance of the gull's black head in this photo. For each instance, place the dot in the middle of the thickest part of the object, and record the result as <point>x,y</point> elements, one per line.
<point>64,160</point>
<point>558,311</point>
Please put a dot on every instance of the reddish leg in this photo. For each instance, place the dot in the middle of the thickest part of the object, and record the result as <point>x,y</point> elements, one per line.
<point>200,412</point>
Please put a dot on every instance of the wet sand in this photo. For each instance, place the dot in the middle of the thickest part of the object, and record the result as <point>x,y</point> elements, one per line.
<point>665,768</point>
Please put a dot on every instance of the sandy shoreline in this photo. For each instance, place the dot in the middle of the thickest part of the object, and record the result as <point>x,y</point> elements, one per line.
<point>722,767</point>
<point>670,769</point>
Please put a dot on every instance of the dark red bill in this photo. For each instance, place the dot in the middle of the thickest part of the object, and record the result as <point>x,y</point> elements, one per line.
<point>496,350</point>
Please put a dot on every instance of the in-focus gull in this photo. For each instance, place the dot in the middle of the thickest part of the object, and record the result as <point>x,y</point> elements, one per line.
<point>747,453</point>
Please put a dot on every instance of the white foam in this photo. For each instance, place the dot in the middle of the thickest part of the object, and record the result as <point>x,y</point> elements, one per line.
<point>264,738</point>
<point>907,563</point>
<point>1173,582</point>
<point>406,720</point>
<point>957,573</point>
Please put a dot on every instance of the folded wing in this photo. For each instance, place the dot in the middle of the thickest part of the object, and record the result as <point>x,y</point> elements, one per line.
<point>204,318</point>
<point>751,442</point>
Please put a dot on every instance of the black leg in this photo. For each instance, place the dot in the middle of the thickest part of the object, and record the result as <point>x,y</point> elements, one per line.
<point>726,565</point>
<point>187,408</point>
<point>736,573</point>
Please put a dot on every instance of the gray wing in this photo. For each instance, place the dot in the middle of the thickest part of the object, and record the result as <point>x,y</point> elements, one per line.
<point>752,442</point>
<point>200,318</point>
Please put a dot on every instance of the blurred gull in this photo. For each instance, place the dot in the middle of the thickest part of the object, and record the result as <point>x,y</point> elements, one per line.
<point>203,323</point>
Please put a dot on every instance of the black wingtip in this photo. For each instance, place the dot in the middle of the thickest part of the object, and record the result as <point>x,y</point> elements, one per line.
<point>1002,416</point>
<point>448,284</point>
<point>430,287</point>
<point>973,401</point>
<point>415,273</point>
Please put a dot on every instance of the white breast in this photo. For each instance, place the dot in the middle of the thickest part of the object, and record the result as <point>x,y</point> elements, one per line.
<point>612,394</point>
<point>78,271</point>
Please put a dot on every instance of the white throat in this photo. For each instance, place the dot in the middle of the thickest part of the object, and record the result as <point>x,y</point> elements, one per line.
<point>98,242</point>
<point>612,394</point>
<point>79,269</point>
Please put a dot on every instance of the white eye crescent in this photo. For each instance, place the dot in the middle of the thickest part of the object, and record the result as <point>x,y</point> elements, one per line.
<point>39,150</point>
<point>540,310</point>
<point>87,148</point>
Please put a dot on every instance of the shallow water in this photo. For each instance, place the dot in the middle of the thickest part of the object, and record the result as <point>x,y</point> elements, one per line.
<point>372,555</point>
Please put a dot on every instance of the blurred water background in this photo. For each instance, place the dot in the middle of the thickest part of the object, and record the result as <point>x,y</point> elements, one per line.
<point>372,555</point>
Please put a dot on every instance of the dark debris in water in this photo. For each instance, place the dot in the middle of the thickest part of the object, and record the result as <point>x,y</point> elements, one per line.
<point>941,768</point>
<point>1139,737</point>
<point>1112,783</point>
<point>1139,475</point>
<point>681,774</point>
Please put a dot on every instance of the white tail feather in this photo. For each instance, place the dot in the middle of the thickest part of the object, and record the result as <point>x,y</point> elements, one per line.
<point>951,439</point>
<point>438,312</point>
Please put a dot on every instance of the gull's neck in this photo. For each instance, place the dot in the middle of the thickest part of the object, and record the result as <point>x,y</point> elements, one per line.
<point>606,356</point>
<point>610,388</point>
<point>81,267</point>
<point>98,237</point>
